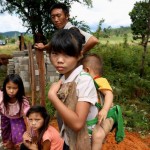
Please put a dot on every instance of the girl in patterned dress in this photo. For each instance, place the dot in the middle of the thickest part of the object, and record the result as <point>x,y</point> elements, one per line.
<point>13,108</point>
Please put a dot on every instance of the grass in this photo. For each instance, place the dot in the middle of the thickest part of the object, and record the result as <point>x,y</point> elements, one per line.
<point>117,40</point>
<point>8,49</point>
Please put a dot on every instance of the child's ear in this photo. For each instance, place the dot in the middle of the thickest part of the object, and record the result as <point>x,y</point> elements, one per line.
<point>87,69</point>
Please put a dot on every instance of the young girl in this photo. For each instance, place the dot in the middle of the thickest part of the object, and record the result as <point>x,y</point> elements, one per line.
<point>65,55</point>
<point>13,106</point>
<point>41,135</point>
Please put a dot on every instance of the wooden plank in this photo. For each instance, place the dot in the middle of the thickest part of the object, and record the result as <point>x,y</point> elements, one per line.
<point>32,72</point>
<point>41,65</point>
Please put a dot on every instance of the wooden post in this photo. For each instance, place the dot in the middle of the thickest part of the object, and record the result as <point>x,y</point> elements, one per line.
<point>32,73</point>
<point>41,65</point>
<point>22,42</point>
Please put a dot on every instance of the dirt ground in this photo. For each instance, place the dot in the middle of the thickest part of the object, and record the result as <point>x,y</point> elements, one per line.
<point>132,141</point>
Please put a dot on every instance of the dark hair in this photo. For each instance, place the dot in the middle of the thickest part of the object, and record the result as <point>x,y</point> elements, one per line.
<point>44,114</point>
<point>94,62</point>
<point>67,41</point>
<point>15,78</point>
<point>60,6</point>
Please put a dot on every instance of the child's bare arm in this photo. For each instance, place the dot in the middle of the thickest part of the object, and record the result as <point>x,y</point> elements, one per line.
<point>108,100</point>
<point>74,119</point>
<point>46,145</point>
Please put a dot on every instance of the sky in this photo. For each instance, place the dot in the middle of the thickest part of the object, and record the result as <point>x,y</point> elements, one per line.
<point>115,14</point>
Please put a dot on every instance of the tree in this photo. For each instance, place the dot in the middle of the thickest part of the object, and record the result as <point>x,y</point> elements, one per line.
<point>35,13</point>
<point>99,28</point>
<point>140,16</point>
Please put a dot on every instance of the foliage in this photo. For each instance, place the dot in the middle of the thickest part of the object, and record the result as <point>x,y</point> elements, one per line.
<point>99,28</point>
<point>109,32</point>
<point>28,39</point>
<point>49,106</point>
<point>35,13</point>
<point>1,37</point>
<point>140,16</point>
<point>121,67</point>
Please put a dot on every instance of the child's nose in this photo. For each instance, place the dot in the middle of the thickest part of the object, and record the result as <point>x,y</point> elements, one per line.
<point>33,122</point>
<point>11,90</point>
<point>60,59</point>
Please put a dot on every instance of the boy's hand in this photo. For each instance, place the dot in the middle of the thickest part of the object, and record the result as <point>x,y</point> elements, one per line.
<point>54,89</point>
<point>102,115</point>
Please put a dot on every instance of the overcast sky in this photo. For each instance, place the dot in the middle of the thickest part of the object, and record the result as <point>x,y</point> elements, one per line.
<point>115,14</point>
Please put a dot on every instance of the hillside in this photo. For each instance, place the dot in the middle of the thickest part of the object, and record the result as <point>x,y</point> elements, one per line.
<point>10,34</point>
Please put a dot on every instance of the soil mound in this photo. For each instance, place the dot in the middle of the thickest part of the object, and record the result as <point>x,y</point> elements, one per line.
<point>4,59</point>
<point>132,141</point>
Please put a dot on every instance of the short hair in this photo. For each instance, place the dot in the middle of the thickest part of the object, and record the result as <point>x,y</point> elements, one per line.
<point>60,6</point>
<point>94,62</point>
<point>67,41</point>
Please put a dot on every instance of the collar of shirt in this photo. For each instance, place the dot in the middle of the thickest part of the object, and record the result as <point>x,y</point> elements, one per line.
<point>73,75</point>
<point>68,25</point>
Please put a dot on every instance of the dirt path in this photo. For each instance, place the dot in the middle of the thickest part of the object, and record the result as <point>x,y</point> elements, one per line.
<point>132,141</point>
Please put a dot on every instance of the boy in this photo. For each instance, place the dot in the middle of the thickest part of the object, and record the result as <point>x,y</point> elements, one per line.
<point>92,64</point>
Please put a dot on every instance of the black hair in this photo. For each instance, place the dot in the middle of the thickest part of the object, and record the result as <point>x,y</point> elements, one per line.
<point>44,114</point>
<point>67,41</point>
<point>15,78</point>
<point>60,6</point>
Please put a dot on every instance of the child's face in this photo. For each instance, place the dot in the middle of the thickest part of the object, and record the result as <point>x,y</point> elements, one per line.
<point>11,89</point>
<point>36,121</point>
<point>63,63</point>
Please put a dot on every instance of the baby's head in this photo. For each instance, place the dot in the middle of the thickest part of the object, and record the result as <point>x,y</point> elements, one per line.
<point>92,63</point>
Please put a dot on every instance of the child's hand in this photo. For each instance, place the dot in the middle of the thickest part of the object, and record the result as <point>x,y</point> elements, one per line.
<point>54,89</point>
<point>33,146</point>
<point>102,115</point>
<point>27,139</point>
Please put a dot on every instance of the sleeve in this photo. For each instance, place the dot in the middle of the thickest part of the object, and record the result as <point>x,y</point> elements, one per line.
<point>25,105</point>
<point>86,90</point>
<point>103,84</point>
<point>47,135</point>
<point>86,34</point>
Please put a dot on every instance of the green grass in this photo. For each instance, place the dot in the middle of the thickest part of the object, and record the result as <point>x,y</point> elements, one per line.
<point>8,49</point>
<point>117,40</point>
